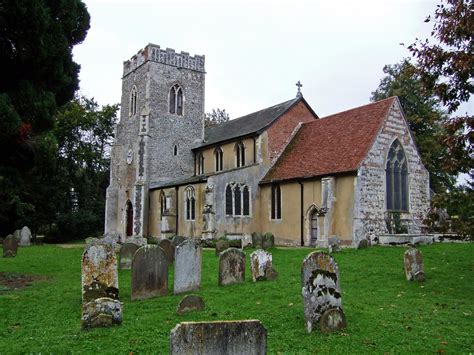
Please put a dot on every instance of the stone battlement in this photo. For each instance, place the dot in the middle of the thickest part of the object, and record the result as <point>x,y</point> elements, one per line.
<point>167,56</point>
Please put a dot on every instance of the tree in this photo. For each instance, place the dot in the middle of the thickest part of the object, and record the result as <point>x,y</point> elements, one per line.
<point>38,75</point>
<point>424,117</point>
<point>215,118</point>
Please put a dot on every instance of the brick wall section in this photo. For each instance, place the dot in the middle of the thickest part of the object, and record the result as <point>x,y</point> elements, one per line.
<point>280,132</point>
<point>369,208</point>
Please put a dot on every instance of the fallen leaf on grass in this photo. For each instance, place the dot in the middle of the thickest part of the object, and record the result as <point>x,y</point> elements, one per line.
<point>290,304</point>
<point>258,302</point>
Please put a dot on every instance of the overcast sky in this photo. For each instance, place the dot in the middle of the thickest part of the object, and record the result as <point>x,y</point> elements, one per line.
<point>257,50</point>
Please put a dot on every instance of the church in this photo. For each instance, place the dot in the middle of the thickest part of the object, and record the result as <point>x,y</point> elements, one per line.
<point>356,174</point>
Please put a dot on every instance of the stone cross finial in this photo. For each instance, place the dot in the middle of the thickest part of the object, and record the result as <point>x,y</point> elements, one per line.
<point>299,85</point>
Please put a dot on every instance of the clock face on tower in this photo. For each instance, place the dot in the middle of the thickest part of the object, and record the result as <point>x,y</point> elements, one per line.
<point>130,156</point>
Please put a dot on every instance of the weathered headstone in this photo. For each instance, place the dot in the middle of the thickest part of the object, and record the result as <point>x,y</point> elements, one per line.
<point>177,240</point>
<point>268,240</point>
<point>334,244</point>
<point>149,272</point>
<point>187,269</point>
<point>100,294</point>
<point>222,337</point>
<point>221,245</point>
<point>168,248</point>
<point>363,244</point>
<point>126,255</point>
<point>246,241</point>
<point>231,267</point>
<point>10,246</point>
<point>261,266</point>
<point>25,237</point>
<point>16,234</point>
<point>321,293</point>
<point>190,303</point>
<point>413,260</point>
<point>257,240</point>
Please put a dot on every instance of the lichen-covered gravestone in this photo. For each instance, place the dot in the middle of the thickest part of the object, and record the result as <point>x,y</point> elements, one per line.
<point>168,248</point>
<point>10,246</point>
<point>100,294</point>
<point>261,266</point>
<point>25,237</point>
<point>334,244</point>
<point>363,244</point>
<point>149,272</point>
<point>221,245</point>
<point>247,337</point>
<point>126,255</point>
<point>268,240</point>
<point>413,260</point>
<point>187,269</point>
<point>190,303</point>
<point>231,267</point>
<point>321,293</point>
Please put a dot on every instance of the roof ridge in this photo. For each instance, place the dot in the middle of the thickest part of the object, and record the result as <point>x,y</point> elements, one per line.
<point>359,107</point>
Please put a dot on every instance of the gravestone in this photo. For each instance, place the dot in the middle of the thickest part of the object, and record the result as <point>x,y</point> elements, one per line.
<point>126,255</point>
<point>187,269</point>
<point>231,267</point>
<point>246,241</point>
<point>257,240</point>
<point>363,244</point>
<point>149,272</point>
<point>177,240</point>
<point>334,244</point>
<point>25,237</point>
<point>221,245</point>
<point>10,246</point>
<point>39,239</point>
<point>168,248</point>
<point>413,260</point>
<point>16,234</point>
<point>190,303</point>
<point>321,293</point>
<point>247,337</point>
<point>100,294</point>
<point>268,241</point>
<point>261,266</point>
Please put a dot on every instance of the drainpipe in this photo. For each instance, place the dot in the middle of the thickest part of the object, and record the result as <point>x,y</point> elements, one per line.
<point>177,208</point>
<point>302,214</point>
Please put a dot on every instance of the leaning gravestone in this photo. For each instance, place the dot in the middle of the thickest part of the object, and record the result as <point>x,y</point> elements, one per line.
<point>168,248</point>
<point>149,272</point>
<point>25,237</point>
<point>261,266</point>
<point>187,269</point>
<point>413,260</point>
<point>231,267</point>
<point>322,293</point>
<point>221,337</point>
<point>10,246</point>
<point>126,255</point>
<point>100,294</point>
<point>190,303</point>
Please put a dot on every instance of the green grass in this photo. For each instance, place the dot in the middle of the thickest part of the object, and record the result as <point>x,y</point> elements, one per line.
<point>385,313</point>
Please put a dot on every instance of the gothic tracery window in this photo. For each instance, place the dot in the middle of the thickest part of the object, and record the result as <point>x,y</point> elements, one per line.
<point>176,100</point>
<point>133,101</point>
<point>237,200</point>
<point>190,203</point>
<point>219,158</point>
<point>239,154</point>
<point>396,179</point>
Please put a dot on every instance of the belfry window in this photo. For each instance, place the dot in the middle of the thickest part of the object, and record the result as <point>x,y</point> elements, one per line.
<point>133,102</point>
<point>199,163</point>
<point>176,100</point>
<point>219,157</point>
<point>396,179</point>
<point>239,154</point>
<point>190,203</point>
<point>276,202</point>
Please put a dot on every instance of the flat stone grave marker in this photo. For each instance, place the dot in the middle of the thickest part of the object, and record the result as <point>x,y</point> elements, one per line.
<point>190,303</point>
<point>126,255</point>
<point>261,266</point>
<point>413,260</point>
<point>321,293</point>
<point>10,246</point>
<point>149,273</point>
<point>100,293</point>
<point>168,248</point>
<point>25,237</point>
<point>187,269</point>
<point>247,337</point>
<point>231,267</point>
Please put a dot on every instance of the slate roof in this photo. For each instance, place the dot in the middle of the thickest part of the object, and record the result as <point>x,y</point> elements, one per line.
<point>331,145</point>
<point>178,182</point>
<point>247,125</point>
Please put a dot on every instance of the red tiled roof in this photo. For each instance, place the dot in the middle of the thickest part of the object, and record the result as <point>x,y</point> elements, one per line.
<point>331,145</point>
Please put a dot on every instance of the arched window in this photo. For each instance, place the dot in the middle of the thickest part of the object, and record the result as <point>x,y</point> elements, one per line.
<point>199,163</point>
<point>133,102</point>
<point>163,204</point>
<point>219,157</point>
<point>276,202</point>
<point>245,201</point>
<point>228,200</point>
<point>239,154</point>
<point>190,203</point>
<point>129,219</point>
<point>176,100</point>
<point>237,200</point>
<point>396,179</point>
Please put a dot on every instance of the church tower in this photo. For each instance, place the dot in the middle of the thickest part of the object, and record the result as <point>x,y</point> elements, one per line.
<point>161,119</point>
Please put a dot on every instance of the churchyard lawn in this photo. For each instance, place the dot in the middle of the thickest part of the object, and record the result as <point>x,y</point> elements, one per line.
<point>385,313</point>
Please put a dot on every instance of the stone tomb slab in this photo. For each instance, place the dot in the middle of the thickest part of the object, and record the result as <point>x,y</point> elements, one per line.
<point>413,260</point>
<point>247,337</point>
<point>231,267</point>
<point>187,269</point>
<point>25,237</point>
<point>321,293</point>
<point>126,255</point>
<point>168,248</point>
<point>10,246</point>
<point>149,273</point>
<point>261,265</point>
